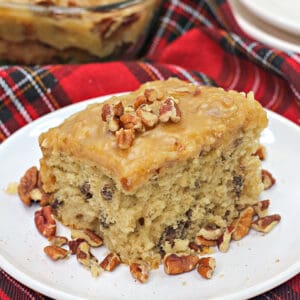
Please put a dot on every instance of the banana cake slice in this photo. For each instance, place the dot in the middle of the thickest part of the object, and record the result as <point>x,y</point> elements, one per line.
<point>148,170</point>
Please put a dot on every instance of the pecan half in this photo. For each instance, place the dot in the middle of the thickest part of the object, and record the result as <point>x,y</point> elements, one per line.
<point>140,272</point>
<point>169,111</point>
<point>27,183</point>
<point>242,224</point>
<point>56,252</point>
<point>88,235</point>
<point>110,262</point>
<point>45,222</point>
<point>267,179</point>
<point>266,224</point>
<point>206,267</point>
<point>125,138</point>
<point>175,264</point>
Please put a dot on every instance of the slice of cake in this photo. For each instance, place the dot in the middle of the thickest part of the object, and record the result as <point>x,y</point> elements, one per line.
<point>151,169</point>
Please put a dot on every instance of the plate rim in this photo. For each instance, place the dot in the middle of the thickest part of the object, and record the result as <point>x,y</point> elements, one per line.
<point>277,21</point>
<point>47,290</point>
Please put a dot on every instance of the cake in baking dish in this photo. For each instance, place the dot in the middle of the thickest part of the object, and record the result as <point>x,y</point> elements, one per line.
<point>150,169</point>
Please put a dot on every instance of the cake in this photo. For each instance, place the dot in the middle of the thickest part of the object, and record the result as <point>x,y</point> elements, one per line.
<point>149,170</point>
<point>49,31</point>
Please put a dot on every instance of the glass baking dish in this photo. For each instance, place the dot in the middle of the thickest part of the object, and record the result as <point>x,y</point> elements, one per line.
<point>70,31</point>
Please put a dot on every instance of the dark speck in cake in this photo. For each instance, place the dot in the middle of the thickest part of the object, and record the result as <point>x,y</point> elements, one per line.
<point>56,204</point>
<point>107,192</point>
<point>85,190</point>
<point>237,184</point>
<point>141,221</point>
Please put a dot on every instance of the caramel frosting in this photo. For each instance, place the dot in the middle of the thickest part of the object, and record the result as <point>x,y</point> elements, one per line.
<point>209,117</point>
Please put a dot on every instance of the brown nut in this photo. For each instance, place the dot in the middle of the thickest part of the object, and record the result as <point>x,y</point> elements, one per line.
<point>242,224</point>
<point>195,247</point>
<point>261,208</point>
<point>206,267</point>
<point>204,242</point>
<point>88,235</point>
<point>45,222</point>
<point>169,111</point>
<point>224,241</point>
<point>130,120</point>
<point>125,138</point>
<point>118,109</point>
<point>261,152</point>
<point>58,240</point>
<point>153,94</point>
<point>56,252</point>
<point>106,112</point>
<point>267,179</point>
<point>110,262</point>
<point>266,224</point>
<point>140,100</point>
<point>87,259</point>
<point>27,183</point>
<point>210,233</point>
<point>149,119</point>
<point>175,264</point>
<point>140,272</point>
<point>73,245</point>
<point>113,124</point>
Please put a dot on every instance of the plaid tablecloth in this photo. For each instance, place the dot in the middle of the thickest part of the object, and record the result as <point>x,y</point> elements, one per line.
<point>194,40</point>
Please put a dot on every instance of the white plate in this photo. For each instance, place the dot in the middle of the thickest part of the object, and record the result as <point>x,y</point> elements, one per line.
<point>252,266</point>
<point>281,14</point>
<point>264,32</point>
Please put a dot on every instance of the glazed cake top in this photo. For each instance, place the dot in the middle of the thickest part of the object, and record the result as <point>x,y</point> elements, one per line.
<point>210,116</point>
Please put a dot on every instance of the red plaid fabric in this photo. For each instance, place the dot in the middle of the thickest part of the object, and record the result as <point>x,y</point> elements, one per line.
<point>195,40</point>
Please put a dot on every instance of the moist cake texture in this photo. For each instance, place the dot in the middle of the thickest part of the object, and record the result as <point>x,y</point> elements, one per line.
<point>176,178</point>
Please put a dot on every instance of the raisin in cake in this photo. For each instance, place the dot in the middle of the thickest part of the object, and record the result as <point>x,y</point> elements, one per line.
<point>148,170</point>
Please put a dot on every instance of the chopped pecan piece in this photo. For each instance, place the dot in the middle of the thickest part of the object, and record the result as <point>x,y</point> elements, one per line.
<point>58,240</point>
<point>56,252</point>
<point>140,100</point>
<point>130,120</point>
<point>175,264</point>
<point>27,183</point>
<point>118,109</point>
<point>242,224</point>
<point>125,138</point>
<point>140,272</point>
<point>224,241</point>
<point>206,267</point>
<point>73,245</point>
<point>106,112</point>
<point>110,262</point>
<point>113,124</point>
<point>88,235</point>
<point>267,179</point>
<point>261,208</point>
<point>261,152</point>
<point>266,224</point>
<point>153,94</point>
<point>169,110</point>
<point>210,233</point>
<point>45,222</point>
<point>204,242</point>
<point>149,119</point>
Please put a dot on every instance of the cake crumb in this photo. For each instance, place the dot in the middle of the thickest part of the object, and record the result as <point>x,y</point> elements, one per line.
<point>277,260</point>
<point>183,283</point>
<point>12,188</point>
